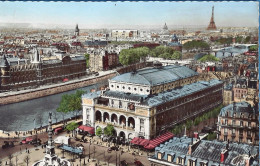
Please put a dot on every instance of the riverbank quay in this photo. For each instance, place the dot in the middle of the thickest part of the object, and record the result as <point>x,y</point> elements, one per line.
<point>23,95</point>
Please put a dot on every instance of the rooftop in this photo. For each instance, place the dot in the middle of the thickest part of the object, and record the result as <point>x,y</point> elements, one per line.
<point>206,151</point>
<point>242,107</point>
<point>160,98</point>
<point>156,76</point>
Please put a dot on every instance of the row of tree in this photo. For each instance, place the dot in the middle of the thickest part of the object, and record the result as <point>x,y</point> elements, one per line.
<point>208,58</point>
<point>108,130</point>
<point>196,44</point>
<point>134,55</point>
<point>189,123</point>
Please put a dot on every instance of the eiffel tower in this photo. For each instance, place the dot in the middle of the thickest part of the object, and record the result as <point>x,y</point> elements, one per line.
<point>212,25</point>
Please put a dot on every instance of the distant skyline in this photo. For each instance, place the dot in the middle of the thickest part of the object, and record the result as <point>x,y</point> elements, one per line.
<point>129,14</point>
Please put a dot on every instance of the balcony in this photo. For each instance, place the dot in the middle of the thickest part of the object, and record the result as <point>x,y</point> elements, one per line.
<point>233,134</point>
<point>225,133</point>
<point>116,125</point>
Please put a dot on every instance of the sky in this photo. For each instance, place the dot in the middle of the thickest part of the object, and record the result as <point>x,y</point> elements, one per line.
<point>129,14</point>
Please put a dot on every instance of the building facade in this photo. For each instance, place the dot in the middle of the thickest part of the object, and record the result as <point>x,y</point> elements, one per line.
<point>124,33</point>
<point>149,101</point>
<point>238,122</point>
<point>103,60</point>
<point>16,76</point>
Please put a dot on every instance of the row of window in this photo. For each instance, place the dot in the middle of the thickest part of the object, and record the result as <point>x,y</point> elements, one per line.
<point>181,160</point>
<point>129,88</point>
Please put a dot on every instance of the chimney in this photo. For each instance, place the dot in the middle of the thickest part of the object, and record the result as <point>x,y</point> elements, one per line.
<point>196,135</point>
<point>247,160</point>
<point>223,155</point>
<point>193,146</point>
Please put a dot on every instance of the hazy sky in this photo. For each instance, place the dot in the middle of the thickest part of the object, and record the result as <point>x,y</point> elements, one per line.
<point>102,14</point>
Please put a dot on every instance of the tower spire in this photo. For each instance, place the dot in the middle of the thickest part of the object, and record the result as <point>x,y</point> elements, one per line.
<point>212,25</point>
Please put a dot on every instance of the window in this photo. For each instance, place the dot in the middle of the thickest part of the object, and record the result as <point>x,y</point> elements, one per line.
<point>135,89</point>
<point>169,158</point>
<point>147,90</point>
<point>141,124</point>
<point>117,86</point>
<point>241,123</point>
<point>112,86</point>
<point>180,160</point>
<point>123,87</point>
<point>233,122</point>
<point>120,104</point>
<point>129,88</point>
<point>249,124</point>
<point>159,155</point>
<point>225,138</point>
<point>141,90</point>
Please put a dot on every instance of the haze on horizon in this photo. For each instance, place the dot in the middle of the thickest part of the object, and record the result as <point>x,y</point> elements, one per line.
<point>129,14</point>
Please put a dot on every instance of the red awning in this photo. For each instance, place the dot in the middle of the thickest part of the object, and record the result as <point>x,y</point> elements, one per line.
<point>58,129</point>
<point>89,129</point>
<point>158,140</point>
<point>144,142</point>
<point>65,79</point>
<point>149,146</point>
<point>135,140</point>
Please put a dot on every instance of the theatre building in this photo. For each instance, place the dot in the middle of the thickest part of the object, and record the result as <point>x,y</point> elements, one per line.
<point>149,101</point>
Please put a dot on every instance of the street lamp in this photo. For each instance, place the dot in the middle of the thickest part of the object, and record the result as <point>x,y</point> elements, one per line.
<point>89,151</point>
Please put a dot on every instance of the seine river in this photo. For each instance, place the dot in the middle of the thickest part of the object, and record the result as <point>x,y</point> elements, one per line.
<point>20,116</point>
<point>235,50</point>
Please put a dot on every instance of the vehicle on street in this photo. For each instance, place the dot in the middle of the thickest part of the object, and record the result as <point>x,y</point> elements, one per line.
<point>7,144</point>
<point>26,140</point>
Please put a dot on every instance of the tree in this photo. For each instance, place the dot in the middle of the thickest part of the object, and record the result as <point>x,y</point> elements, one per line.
<point>247,39</point>
<point>212,136</point>
<point>27,159</point>
<point>71,102</point>
<point>71,126</point>
<point>109,130</point>
<point>133,55</point>
<point>253,48</point>
<point>176,55</point>
<point>207,58</point>
<point>98,131</point>
<point>87,60</point>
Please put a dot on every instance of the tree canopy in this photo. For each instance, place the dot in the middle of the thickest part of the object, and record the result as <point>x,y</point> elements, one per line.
<point>87,60</point>
<point>71,126</point>
<point>109,130</point>
<point>253,48</point>
<point>98,131</point>
<point>165,52</point>
<point>133,55</point>
<point>208,58</point>
<point>70,102</point>
<point>196,44</point>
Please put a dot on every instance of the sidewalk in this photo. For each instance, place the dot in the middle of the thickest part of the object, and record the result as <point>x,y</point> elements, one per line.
<point>20,134</point>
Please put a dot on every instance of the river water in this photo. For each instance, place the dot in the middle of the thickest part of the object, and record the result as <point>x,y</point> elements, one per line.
<point>20,116</point>
<point>235,50</point>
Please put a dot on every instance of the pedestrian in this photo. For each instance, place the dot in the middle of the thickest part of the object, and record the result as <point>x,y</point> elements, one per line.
<point>6,163</point>
<point>26,149</point>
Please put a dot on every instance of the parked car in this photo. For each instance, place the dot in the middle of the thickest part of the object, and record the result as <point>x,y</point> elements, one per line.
<point>58,130</point>
<point>35,142</point>
<point>7,144</point>
<point>26,140</point>
<point>123,163</point>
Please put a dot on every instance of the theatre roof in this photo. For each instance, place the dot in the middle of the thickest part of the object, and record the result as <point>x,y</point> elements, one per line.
<point>156,76</point>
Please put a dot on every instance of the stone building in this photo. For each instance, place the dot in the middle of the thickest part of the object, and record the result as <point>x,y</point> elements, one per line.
<point>124,33</point>
<point>147,102</point>
<point>228,95</point>
<point>103,60</point>
<point>15,75</point>
<point>196,152</point>
<point>238,122</point>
